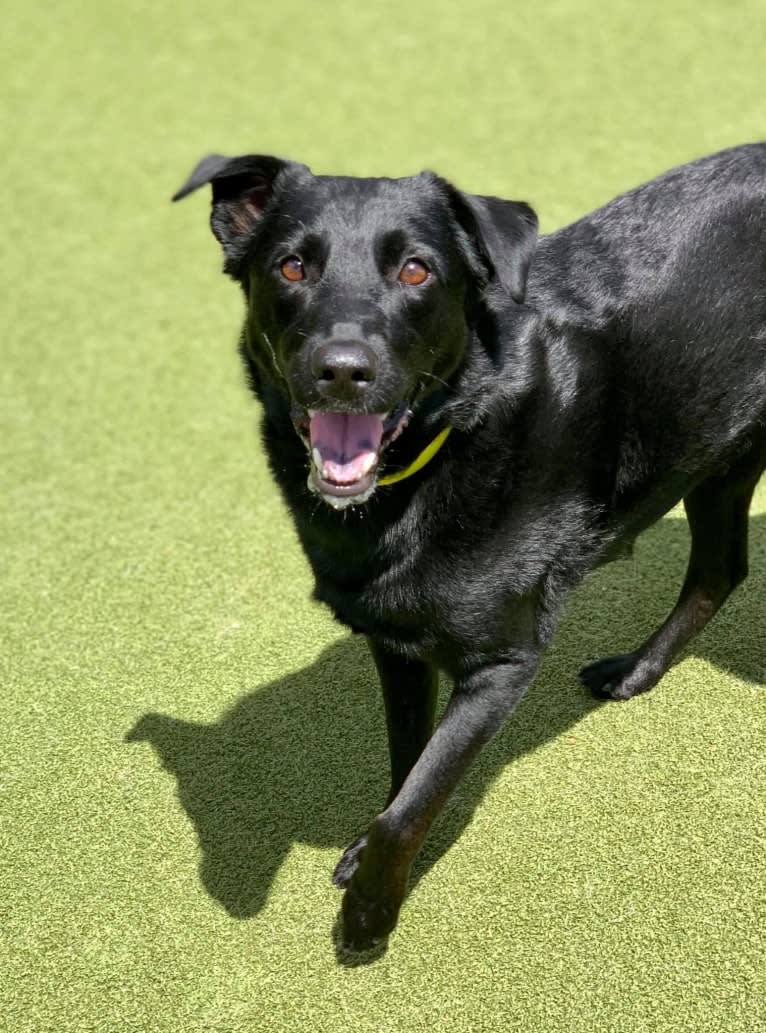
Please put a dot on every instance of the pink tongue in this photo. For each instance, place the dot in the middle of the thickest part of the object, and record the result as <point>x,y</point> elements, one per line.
<point>348,444</point>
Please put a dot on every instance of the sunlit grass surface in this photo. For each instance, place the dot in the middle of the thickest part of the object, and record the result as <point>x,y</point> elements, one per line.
<point>611,878</point>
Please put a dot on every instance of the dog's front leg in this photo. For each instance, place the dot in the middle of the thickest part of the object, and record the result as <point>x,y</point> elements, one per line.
<point>410,688</point>
<point>481,701</point>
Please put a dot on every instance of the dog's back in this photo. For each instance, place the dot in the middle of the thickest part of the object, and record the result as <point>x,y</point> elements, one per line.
<point>673,276</point>
<point>601,261</point>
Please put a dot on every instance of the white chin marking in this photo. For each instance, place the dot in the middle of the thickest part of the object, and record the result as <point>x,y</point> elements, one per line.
<point>339,501</point>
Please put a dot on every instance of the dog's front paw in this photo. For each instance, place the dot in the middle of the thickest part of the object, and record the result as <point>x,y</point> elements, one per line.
<point>365,923</point>
<point>349,862</point>
<point>619,677</point>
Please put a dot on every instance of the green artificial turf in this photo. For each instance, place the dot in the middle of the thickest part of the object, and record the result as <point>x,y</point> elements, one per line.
<point>188,741</point>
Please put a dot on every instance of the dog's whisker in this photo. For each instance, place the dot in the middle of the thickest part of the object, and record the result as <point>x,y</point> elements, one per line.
<point>265,336</point>
<point>424,373</point>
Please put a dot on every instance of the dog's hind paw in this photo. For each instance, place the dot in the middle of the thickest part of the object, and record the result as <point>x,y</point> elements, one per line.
<point>619,677</point>
<point>349,862</point>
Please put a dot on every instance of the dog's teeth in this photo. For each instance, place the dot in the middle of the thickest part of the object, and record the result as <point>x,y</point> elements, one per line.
<point>316,455</point>
<point>368,463</point>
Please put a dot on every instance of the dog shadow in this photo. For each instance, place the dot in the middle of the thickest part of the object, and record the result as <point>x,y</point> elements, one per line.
<point>304,759</point>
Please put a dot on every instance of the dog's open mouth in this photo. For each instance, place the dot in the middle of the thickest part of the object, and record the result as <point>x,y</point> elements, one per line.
<point>346,449</point>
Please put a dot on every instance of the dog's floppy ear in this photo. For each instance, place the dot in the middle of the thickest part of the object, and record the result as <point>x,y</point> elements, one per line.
<point>503,235</point>
<point>242,187</point>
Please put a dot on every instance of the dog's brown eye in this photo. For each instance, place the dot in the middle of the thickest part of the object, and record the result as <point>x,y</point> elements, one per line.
<point>292,269</point>
<point>413,272</point>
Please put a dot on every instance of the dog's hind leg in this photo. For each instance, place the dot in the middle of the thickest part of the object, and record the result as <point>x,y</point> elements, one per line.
<point>717,510</point>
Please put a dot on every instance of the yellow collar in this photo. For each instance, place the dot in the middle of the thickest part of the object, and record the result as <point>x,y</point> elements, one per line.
<point>417,464</point>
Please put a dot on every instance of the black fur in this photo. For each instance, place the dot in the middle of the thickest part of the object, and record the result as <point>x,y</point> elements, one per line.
<point>629,376</point>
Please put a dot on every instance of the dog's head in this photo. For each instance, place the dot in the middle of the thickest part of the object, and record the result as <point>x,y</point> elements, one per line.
<point>359,295</point>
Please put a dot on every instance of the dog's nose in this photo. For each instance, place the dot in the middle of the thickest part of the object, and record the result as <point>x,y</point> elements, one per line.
<point>343,370</point>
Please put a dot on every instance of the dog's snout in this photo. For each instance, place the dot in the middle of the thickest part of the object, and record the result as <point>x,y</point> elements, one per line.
<point>343,369</point>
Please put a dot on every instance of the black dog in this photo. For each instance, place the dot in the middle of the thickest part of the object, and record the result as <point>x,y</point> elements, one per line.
<point>463,424</point>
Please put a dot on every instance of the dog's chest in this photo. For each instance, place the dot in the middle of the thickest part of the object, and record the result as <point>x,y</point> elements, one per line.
<point>439,599</point>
